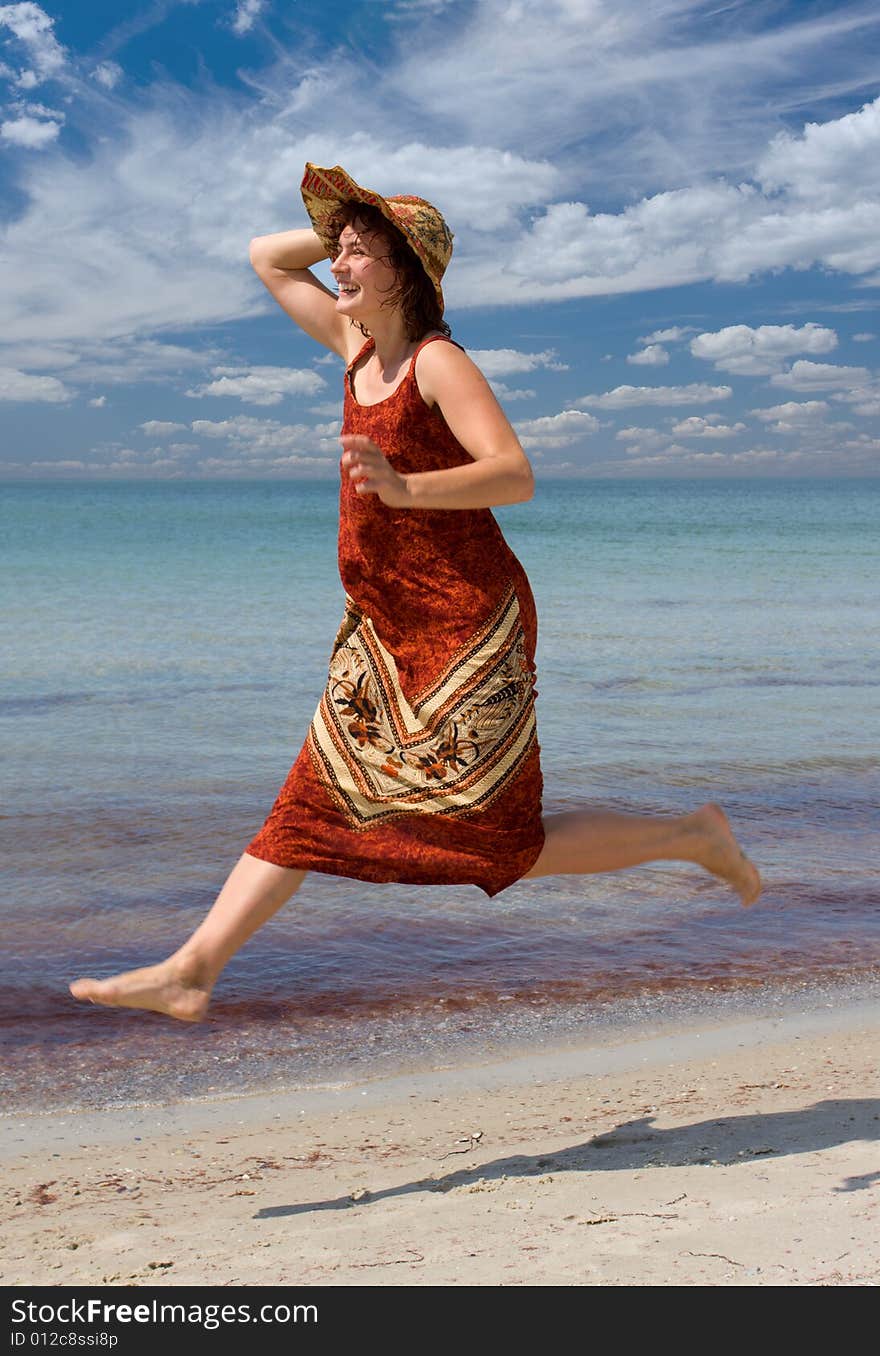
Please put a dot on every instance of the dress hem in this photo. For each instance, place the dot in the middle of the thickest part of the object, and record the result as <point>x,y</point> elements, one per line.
<point>350,870</point>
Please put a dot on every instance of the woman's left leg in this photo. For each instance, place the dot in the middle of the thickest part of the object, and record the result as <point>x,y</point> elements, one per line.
<point>181,985</point>
<point>581,842</point>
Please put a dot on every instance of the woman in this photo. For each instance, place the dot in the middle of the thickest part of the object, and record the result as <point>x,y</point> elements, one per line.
<point>422,762</point>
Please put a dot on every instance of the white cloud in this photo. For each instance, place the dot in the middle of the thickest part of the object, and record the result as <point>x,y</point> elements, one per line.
<point>66,465</point>
<point>673,335</point>
<point>643,439</point>
<point>863,397</point>
<point>203,171</point>
<point>125,461</point>
<point>832,307</point>
<point>121,362</point>
<point>270,466</point>
<point>504,392</point>
<point>480,189</point>
<point>863,338</point>
<point>654,93</point>
<point>757,352</point>
<point>98,402</point>
<point>813,166</point>
<point>260,385</point>
<point>168,186</point>
<point>794,416</point>
<point>502,362</point>
<point>802,412</point>
<point>402,9</point>
<point>716,230</point>
<point>32,133</point>
<point>38,110</point>
<point>245,14</point>
<point>632,434</point>
<point>556,430</point>
<point>706,426</point>
<point>28,386</point>
<point>156,224</point>
<point>32,26</point>
<point>108,74</point>
<point>158,428</point>
<point>750,459</point>
<point>867,444</point>
<point>642,451</point>
<point>623,397</point>
<point>261,446</point>
<point>652,356</point>
<point>261,437</point>
<point>806,376</point>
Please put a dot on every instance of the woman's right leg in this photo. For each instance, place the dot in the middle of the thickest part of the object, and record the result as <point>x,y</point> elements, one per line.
<point>596,840</point>
<point>181,985</point>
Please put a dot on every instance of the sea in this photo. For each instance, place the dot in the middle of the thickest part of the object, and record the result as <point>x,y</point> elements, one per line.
<point>165,646</point>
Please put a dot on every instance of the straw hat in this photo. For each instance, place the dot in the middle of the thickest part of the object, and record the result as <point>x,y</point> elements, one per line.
<point>323,190</point>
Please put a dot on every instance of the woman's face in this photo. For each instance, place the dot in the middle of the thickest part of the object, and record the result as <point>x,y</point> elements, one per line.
<point>362,274</point>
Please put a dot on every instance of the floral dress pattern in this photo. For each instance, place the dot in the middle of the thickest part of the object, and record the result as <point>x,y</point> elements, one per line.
<point>422,762</point>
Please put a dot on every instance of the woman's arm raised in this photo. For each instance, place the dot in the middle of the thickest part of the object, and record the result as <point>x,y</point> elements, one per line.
<point>282,262</point>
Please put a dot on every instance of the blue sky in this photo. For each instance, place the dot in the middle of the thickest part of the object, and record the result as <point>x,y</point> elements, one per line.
<point>666,217</point>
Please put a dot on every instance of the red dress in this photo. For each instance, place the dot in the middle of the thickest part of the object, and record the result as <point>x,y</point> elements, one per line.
<point>422,762</point>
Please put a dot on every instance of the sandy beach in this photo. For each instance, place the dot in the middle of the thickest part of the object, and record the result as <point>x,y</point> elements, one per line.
<point>741,1153</point>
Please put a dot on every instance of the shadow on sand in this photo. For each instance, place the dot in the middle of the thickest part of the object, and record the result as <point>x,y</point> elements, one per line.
<point>638,1145</point>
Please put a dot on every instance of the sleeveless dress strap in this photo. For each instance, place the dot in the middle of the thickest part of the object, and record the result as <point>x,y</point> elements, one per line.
<point>430,339</point>
<point>411,372</point>
<point>368,342</point>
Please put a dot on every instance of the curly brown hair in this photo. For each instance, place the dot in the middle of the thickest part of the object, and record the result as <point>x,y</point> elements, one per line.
<point>414,292</point>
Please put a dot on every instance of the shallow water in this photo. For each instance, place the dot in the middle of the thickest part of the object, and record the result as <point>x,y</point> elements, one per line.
<point>167,645</point>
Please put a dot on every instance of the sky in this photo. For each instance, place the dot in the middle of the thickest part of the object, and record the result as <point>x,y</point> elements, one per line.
<point>666,218</point>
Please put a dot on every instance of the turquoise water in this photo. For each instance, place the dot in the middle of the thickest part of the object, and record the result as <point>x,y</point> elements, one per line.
<point>166,645</point>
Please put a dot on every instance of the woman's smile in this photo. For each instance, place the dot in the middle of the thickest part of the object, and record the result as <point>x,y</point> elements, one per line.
<point>370,270</point>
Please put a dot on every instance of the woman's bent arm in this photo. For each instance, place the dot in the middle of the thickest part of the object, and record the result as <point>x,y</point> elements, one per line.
<point>287,249</point>
<point>501,473</point>
<point>488,483</point>
<point>282,264</point>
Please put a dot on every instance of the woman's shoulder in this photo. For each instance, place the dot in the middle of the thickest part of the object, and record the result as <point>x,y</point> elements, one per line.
<point>435,364</point>
<point>439,353</point>
<point>426,343</point>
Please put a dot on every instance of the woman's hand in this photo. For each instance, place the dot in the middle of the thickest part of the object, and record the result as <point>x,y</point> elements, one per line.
<point>371,473</point>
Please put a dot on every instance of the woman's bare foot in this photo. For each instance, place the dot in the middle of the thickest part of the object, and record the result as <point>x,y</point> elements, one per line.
<point>720,853</point>
<point>171,987</point>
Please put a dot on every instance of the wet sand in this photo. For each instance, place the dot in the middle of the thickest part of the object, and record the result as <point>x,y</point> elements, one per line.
<point>735,1153</point>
